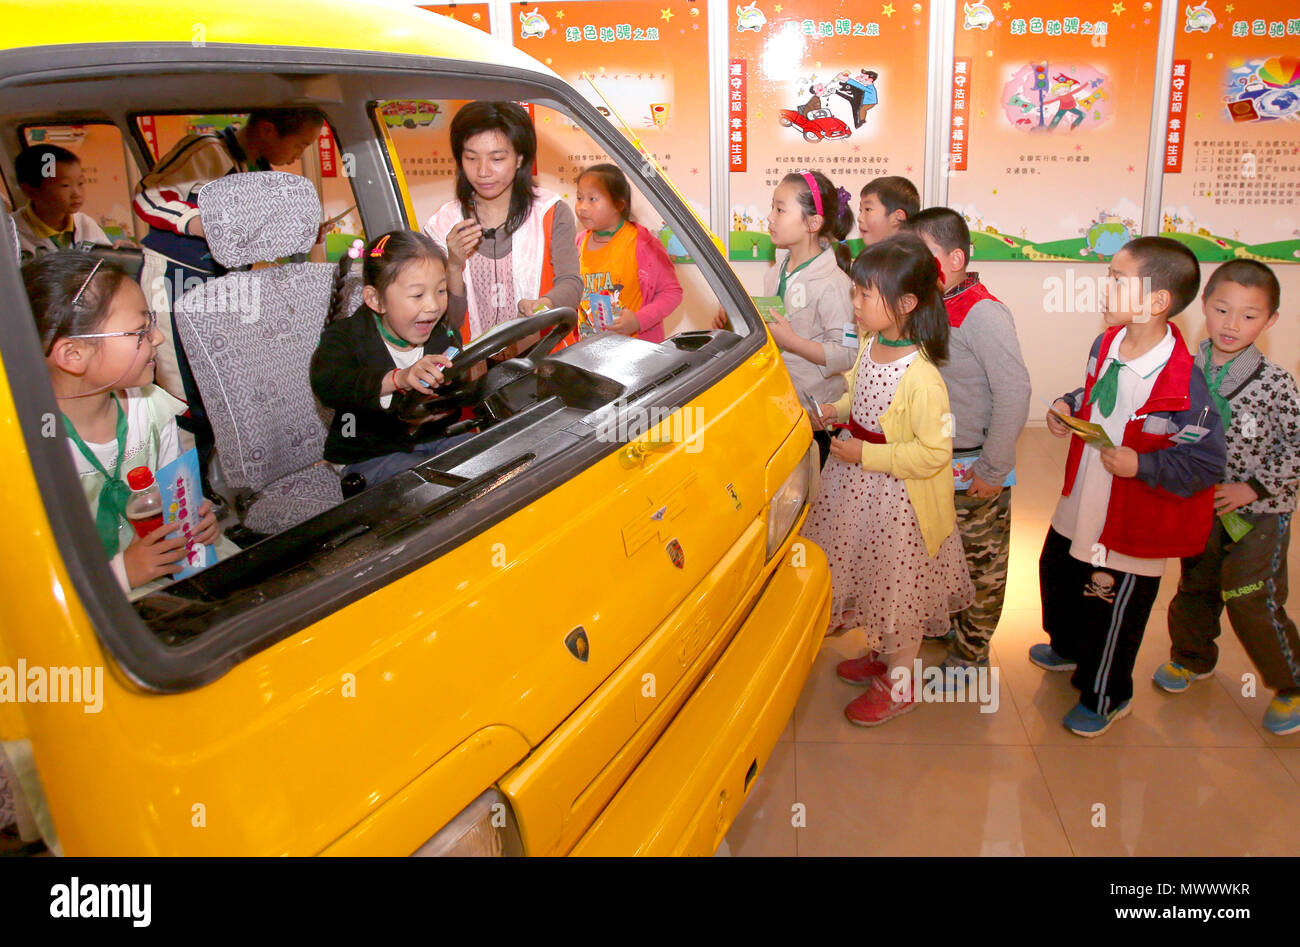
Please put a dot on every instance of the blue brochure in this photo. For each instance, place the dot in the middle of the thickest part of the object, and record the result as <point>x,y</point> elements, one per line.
<point>182,495</point>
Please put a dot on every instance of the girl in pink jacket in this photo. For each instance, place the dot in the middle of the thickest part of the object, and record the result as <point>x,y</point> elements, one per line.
<point>629,285</point>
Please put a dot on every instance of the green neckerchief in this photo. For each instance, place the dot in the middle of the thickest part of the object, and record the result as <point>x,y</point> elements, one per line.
<point>1106,389</point>
<point>391,339</point>
<point>114,494</point>
<point>780,285</point>
<point>606,234</point>
<point>899,344</point>
<point>1215,381</point>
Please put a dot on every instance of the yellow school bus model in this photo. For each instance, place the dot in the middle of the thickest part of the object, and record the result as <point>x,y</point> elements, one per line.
<point>555,642</point>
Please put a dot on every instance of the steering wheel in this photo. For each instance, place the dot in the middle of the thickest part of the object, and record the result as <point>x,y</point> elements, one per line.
<point>458,391</point>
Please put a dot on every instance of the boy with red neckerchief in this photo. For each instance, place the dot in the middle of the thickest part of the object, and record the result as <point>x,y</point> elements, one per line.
<point>1124,509</point>
<point>989,390</point>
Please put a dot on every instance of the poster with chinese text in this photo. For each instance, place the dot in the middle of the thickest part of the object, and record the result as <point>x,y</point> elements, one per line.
<point>1232,131</point>
<point>1050,125</point>
<point>647,60</point>
<point>822,85</point>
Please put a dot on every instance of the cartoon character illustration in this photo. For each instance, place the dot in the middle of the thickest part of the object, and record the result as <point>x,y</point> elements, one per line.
<point>750,18</point>
<point>817,90</point>
<point>978,16</point>
<point>860,90</point>
<point>1199,18</point>
<point>533,25</point>
<point>1049,94</point>
<point>1068,87</point>
<point>816,125</point>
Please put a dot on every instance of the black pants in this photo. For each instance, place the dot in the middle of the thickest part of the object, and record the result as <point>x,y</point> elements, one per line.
<point>1095,617</point>
<point>854,95</point>
<point>1249,578</point>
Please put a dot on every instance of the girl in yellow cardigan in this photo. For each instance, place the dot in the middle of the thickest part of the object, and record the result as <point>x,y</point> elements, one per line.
<point>885,515</point>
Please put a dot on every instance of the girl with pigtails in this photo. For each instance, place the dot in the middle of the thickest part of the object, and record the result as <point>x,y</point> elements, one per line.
<point>398,338</point>
<point>809,220</point>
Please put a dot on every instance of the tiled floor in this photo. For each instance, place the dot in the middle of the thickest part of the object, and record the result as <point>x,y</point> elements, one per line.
<point>1193,774</point>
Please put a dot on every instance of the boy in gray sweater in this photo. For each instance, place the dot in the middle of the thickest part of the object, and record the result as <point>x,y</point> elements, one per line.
<point>988,389</point>
<point>1243,567</point>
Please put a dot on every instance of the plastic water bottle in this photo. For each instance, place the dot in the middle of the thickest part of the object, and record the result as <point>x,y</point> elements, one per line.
<point>144,508</point>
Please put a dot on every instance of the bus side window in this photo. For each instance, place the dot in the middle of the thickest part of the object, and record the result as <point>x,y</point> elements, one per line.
<point>107,176</point>
<point>323,164</point>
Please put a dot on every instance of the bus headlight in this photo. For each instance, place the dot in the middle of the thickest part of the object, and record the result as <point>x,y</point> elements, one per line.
<point>485,828</point>
<point>788,502</point>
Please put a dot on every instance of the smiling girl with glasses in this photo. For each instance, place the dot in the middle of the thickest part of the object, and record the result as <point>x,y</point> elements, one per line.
<point>99,339</point>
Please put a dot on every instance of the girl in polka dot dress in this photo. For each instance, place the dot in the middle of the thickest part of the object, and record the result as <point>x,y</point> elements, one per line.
<point>886,516</point>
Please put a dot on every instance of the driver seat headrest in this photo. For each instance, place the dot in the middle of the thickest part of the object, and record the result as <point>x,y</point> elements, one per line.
<point>259,217</point>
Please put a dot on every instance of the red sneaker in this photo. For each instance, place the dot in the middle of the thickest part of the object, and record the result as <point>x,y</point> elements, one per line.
<point>877,705</point>
<point>861,670</point>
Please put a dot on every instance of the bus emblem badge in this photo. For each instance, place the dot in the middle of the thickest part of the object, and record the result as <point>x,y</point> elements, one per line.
<point>576,642</point>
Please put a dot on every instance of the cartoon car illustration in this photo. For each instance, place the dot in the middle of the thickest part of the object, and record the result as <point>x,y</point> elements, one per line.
<point>750,18</point>
<point>1199,19</point>
<point>409,113</point>
<point>816,125</point>
<point>533,24</point>
<point>978,16</point>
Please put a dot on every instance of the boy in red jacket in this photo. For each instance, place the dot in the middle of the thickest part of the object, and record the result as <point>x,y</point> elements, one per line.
<point>1125,508</point>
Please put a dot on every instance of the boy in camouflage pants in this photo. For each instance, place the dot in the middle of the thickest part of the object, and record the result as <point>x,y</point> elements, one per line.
<point>988,388</point>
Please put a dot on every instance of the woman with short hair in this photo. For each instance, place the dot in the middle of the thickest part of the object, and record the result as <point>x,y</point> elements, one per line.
<point>510,244</point>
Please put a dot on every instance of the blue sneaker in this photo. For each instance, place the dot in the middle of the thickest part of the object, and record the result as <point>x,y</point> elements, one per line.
<point>1049,660</point>
<point>1088,723</point>
<point>1174,678</point>
<point>1283,714</point>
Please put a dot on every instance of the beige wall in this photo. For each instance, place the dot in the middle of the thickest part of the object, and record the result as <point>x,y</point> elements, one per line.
<point>1055,345</point>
